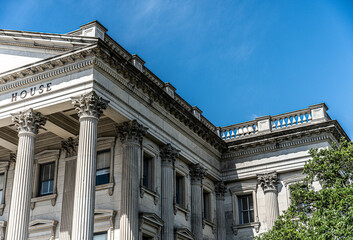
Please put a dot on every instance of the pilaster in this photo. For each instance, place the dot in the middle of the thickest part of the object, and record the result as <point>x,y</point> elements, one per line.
<point>131,135</point>
<point>28,124</point>
<point>168,156</point>
<point>89,108</point>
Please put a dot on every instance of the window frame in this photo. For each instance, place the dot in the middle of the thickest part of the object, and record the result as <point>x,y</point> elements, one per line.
<point>182,171</point>
<point>104,222</point>
<point>236,192</point>
<point>45,157</point>
<point>208,188</point>
<point>150,225</point>
<point>103,144</point>
<point>4,168</point>
<point>153,190</point>
<point>248,210</point>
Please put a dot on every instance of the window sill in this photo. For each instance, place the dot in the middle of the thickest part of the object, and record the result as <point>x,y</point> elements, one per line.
<point>208,223</point>
<point>255,225</point>
<point>150,192</point>
<point>109,186</point>
<point>51,197</point>
<point>185,210</point>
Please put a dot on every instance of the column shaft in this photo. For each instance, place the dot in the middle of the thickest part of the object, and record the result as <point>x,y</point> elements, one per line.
<point>22,189</point>
<point>27,123</point>
<point>272,210</point>
<point>167,202</point>
<point>221,234</point>
<point>196,210</point>
<point>131,135</point>
<point>129,192</point>
<point>84,201</point>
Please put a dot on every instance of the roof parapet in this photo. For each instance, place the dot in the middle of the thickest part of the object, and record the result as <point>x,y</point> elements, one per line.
<point>266,124</point>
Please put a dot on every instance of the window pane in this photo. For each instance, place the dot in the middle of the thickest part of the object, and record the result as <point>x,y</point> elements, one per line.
<point>0,195</point>
<point>102,176</point>
<point>251,202</point>
<point>179,190</point>
<point>244,202</point>
<point>100,236</point>
<point>46,180</point>
<point>146,171</point>
<point>245,217</point>
<point>251,216</point>
<point>103,159</point>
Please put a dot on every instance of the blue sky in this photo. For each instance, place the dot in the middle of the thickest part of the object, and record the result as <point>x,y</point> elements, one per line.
<point>235,60</point>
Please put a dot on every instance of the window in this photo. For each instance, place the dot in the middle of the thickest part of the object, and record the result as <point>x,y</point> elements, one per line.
<point>147,171</point>
<point>103,167</point>
<point>46,178</point>
<point>207,205</point>
<point>144,237</point>
<point>180,189</point>
<point>246,209</point>
<point>100,236</point>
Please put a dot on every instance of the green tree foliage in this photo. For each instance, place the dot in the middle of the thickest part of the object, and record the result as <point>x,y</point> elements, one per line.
<point>320,214</point>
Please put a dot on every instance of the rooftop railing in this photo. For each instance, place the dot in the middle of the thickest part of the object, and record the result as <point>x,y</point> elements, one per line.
<point>312,114</point>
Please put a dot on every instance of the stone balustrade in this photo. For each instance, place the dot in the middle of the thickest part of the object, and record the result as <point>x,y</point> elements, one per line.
<point>312,114</point>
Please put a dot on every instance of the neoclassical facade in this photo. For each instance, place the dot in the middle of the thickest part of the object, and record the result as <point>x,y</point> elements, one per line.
<point>93,145</point>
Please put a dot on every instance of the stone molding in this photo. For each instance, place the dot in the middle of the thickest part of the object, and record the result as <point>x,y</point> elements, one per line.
<point>90,105</point>
<point>258,150</point>
<point>131,132</point>
<point>169,154</point>
<point>28,121</point>
<point>268,181</point>
<point>42,228</point>
<point>183,234</point>
<point>70,146</point>
<point>197,173</point>
<point>220,190</point>
<point>150,223</point>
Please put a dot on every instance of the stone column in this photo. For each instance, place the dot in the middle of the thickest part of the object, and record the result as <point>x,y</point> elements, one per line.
<point>89,107</point>
<point>27,123</point>
<point>131,135</point>
<point>268,183</point>
<point>220,190</point>
<point>197,173</point>
<point>168,156</point>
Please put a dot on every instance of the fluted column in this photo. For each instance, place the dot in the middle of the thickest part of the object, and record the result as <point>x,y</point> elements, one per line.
<point>131,135</point>
<point>168,157</point>
<point>27,123</point>
<point>197,173</point>
<point>220,190</point>
<point>268,182</point>
<point>89,108</point>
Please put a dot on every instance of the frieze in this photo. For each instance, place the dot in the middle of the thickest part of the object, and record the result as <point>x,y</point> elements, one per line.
<point>37,90</point>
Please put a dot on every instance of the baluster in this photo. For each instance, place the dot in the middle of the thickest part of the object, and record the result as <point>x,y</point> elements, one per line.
<point>279,123</point>
<point>294,120</point>
<point>304,118</point>
<point>274,124</point>
<point>256,128</point>
<point>309,117</point>
<point>299,119</point>
<point>245,129</point>
<point>251,130</point>
<point>228,135</point>
<point>240,130</point>
<point>233,133</point>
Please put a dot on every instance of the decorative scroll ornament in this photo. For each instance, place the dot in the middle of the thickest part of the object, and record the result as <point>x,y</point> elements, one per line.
<point>220,190</point>
<point>28,121</point>
<point>131,131</point>
<point>169,154</point>
<point>70,145</point>
<point>268,181</point>
<point>90,105</point>
<point>197,172</point>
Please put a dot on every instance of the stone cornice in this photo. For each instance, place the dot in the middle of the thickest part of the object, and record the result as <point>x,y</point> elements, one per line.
<point>133,78</point>
<point>279,140</point>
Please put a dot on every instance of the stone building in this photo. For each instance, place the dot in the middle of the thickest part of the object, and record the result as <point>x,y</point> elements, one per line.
<point>93,145</point>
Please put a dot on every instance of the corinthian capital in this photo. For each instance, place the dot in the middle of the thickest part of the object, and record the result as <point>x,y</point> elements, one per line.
<point>169,154</point>
<point>197,172</point>
<point>131,131</point>
<point>28,121</point>
<point>268,181</point>
<point>220,190</point>
<point>89,105</point>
